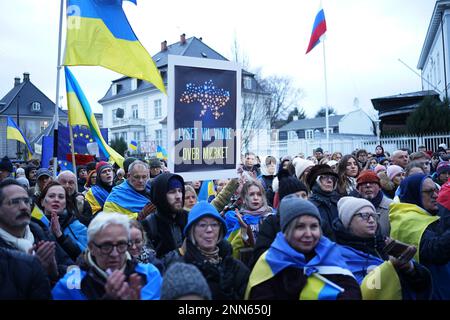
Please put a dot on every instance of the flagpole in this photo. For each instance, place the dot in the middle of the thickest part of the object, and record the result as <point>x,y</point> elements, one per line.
<point>58,76</point>
<point>326,96</point>
<point>72,150</point>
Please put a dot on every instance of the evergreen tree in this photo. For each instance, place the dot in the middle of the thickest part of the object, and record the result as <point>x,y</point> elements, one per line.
<point>432,116</point>
<point>120,145</point>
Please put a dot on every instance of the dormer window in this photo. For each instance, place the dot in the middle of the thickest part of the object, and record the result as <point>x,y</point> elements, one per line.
<point>134,84</point>
<point>36,106</point>
<point>247,83</point>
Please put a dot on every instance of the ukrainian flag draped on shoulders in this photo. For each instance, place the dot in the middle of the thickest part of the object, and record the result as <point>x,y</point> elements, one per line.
<point>99,34</point>
<point>80,113</point>
<point>13,132</point>
<point>96,196</point>
<point>124,199</point>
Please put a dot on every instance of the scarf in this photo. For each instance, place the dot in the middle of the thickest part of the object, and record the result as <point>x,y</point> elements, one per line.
<point>263,211</point>
<point>211,257</point>
<point>91,263</point>
<point>22,244</point>
<point>377,200</point>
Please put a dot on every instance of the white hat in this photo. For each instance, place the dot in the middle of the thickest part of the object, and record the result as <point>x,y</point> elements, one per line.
<point>301,165</point>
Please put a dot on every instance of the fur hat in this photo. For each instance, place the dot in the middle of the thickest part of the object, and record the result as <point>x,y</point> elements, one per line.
<point>182,279</point>
<point>292,207</point>
<point>349,206</point>
<point>318,170</point>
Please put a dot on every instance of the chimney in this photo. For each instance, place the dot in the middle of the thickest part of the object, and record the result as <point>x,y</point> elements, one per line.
<point>294,118</point>
<point>16,81</point>
<point>183,38</point>
<point>26,77</point>
<point>164,45</point>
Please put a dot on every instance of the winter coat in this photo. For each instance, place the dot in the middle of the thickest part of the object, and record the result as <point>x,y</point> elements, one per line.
<point>326,202</point>
<point>22,277</point>
<point>164,232</point>
<point>228,279</point>
<point>414,286</point>
<point>267,233</point>
<point>431,235</point>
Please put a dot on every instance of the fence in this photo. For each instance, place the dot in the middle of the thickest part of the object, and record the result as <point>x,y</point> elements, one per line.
<point>349,144</point>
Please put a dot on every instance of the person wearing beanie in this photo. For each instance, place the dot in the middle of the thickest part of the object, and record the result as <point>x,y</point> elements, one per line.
<point>6,168</point>
<point>131,197</point>
<point>23,182</point>
<point>379,168</point>
<point>322,181</point>
<point>302,168</point>
<point>81,177</point>
<point>155,167</point>
<point>298,248</point>
<point>369,187</point>
<point>442,172</point>
<point>98,193</point>
<point>268,173</point>
<point>206,248</point>
<point>414,221</point>
<point>165,227</point>
<point>357,228</point>
<point>394,174</point>
<point>20,172</point>
<point>289,185</point>
<point>318,153</point>
<point>183,281</point>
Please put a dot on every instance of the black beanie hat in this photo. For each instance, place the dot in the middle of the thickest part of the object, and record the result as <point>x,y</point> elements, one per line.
<point>289,185</point>
<point>6,164</point>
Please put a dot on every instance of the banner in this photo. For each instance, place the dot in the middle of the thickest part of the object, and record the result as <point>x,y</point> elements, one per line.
<point>203,121</point>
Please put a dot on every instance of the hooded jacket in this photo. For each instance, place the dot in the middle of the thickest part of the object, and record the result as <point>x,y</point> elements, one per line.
<point>164,231</point>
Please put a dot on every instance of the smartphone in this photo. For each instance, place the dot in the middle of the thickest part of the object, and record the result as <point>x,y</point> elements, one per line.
<point>395,248</point>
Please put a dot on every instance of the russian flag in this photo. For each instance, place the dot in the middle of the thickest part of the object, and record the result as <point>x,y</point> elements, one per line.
<point>319,29</point>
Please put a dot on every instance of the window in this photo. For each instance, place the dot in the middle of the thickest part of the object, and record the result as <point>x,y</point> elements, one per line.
<point>247,83</point>
<point>158,113</point>
<point>36,106</point>
<point>292,135</point>
<point>309,134</point>
<point>134,84</point>
<point>158,137</point>
<point>114,115</point>
<point>330,130</point>
<point>114,89</point>
<point>136,136</point>
<point>44,125</point>
<point>134,110</point>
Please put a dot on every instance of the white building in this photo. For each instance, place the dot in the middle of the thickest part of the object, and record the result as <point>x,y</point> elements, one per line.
<point>136,110</point>
<point>434,59</point>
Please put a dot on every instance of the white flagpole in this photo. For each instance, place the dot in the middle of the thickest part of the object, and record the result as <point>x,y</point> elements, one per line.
<point>326,95</point>
<point>58,76</point>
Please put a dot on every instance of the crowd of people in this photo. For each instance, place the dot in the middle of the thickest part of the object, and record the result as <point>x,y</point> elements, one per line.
<point>366,225</point>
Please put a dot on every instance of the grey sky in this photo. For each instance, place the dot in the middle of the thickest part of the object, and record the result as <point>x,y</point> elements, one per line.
<point>364,41</point>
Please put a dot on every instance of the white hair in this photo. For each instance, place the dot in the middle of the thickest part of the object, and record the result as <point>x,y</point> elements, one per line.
<point>66,172</point>
<point>136,163</point>
<point>104,219</point>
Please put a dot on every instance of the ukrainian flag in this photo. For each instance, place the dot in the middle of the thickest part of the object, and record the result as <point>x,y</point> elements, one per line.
<point>133,145</point>
<point>206,190</point>
<point>39,215</point>
<point>99,34</point>
<point>161,153</point>
<point>13,132</point>
<point>80,113</point>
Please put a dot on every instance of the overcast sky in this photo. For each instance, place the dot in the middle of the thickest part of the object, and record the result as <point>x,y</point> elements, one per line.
<point>364,41</point>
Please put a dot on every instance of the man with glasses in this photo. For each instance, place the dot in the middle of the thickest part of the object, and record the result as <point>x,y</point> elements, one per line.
<point>369,188</point>
<point>18,232</point>
<point>414,221</point>
<point>106,271</point>
<point>132,197</point>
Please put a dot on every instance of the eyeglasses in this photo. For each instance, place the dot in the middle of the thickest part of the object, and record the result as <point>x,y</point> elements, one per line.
<point>367,215</point>
<point>203,226</point>
<point>431,192</point>
<point>327,177</point>
<point>16,201</point>
<point>107,248</point>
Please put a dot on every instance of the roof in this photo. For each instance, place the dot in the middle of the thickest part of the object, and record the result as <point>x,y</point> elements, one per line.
<point>193,47</point>
<point>401,103</point>
<point>314,123</point>
<point>25,94</point>
<point>433,28</point>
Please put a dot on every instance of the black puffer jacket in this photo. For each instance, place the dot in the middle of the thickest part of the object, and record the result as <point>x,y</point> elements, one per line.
<point>228,279</point>
<point>22,277</point>
<point>164,231</point>
<point>267,233</point>
<point>414,286</point>
<point>326,202</point>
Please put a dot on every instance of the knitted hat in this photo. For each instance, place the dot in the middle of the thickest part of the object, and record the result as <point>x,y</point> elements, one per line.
<point>443,167</point>
<point>204,209</point>
<point>319,149</point>
<point>367,176</point>
<point>301,165</point>
<point>127,162</point>
<point>102,165</point>
<point>6,164</point>
<point>318,170</point>
<point>289,185</point>
<point>174,183</point>
<point>393,170</point>
<point>91,166</point>
<point>20,172</point>
<point>154,163</point>
<point>349,206</point>
<point>379,168</point>
<point>182,279</point>
<point>292,207</point>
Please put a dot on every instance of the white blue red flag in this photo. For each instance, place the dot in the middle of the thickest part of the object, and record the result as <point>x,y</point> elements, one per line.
<point>319,29</point>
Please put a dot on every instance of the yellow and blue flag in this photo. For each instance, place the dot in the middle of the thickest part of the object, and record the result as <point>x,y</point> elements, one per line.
<point>161,153</point>
<point>80,113</point>
<point>13,132</point>
<point>39,215</point>
<point>133,145</point>
<point>99,34</point>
